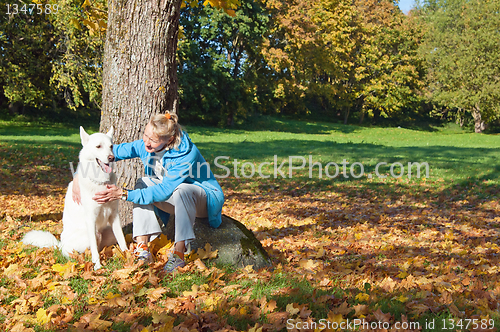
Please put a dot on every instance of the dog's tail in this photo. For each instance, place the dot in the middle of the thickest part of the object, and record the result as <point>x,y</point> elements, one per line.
<point>40,239</point>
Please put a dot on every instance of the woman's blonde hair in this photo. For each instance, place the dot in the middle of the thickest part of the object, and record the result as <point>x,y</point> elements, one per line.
<point>166,126</point>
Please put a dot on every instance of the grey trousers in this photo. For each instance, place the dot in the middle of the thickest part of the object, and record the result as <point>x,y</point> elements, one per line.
<point>187,202</point>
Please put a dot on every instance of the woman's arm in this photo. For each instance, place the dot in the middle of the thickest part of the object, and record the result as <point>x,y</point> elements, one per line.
<point>128,150</point>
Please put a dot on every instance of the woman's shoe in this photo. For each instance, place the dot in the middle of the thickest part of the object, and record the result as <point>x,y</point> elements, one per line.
<point>174,262</point>
<point>141,252</point>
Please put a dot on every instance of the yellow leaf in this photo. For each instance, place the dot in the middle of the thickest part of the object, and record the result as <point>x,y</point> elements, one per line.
<point>402,298</point>
<point>142,291</point>
<point>161,318</point>
<point>161,241</point>
<point>271,306</point>
<point>42,317</point>
<point>65,300</point>
<point>194,291</point>
<point>19,327</point>
<point>12,269</point>
<point>256,328</point>
<point>212,302</point>
<point>191,257</point>
<point>52,285</point>
<point>155,294</point>
<point>99,324</point>
<point>92,301</point>
<point>291,309</point>
<point>110,296</point>
<point>75,23</point>
<point>93,27</point>
<point>363,297</point>
<point>161,245</point>
<point>248,269</point>
<point>418,308</point>
<point>167,327</point>
<point>123,273</point>
<point>65,270</point>
<point>361,310</point>
<point>207,253</point>
<point>102,24</point>
<point>118,252</point>
<point>320,253</point>
<point>200,265</point>
<point>58,268</point>
<point>308,264</point>
<point>335,318</point>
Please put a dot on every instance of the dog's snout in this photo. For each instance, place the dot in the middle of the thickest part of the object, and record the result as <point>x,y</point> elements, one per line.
<point>111,158</point>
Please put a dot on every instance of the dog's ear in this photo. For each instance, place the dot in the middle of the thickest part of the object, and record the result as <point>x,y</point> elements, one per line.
<point>110,132</point>
<point>84,136</point>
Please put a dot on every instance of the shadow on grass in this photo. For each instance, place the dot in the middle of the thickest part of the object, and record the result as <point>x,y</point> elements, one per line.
<point>24,130</point>
<point>30,167</point>
<point>393,197</point>
<point>272,124</point>
<point>460,161</point>
<point>31,160</point>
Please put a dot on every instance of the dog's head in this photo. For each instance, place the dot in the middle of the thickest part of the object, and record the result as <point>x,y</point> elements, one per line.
<point>98,148</point>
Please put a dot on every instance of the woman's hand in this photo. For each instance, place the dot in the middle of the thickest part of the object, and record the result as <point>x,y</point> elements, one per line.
<point>77,198</point>
<point>111,193</point>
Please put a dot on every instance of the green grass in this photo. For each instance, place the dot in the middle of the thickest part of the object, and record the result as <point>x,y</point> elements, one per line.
<point>183,282</point>
<point>456,158</point>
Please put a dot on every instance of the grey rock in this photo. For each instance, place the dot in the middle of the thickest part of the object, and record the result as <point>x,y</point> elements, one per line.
<point>237,245</point>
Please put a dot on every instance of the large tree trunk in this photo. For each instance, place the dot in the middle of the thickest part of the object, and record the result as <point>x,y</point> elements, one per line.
<point>479,124</point>
<point>139,74</point>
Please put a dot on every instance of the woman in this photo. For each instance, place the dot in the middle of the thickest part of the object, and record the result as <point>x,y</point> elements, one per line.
<point>178,181</point>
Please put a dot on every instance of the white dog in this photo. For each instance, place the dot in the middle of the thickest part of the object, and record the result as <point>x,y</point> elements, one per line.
<point>89,224</point>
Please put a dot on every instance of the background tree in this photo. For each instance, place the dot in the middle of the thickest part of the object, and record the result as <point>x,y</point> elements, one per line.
<point>349,55</point>
<point>392,71</point>
<point>461,49</point>
<point>25,57</point>
<point>51,60</point>
<point>80,34</point>
<point>218,62</point>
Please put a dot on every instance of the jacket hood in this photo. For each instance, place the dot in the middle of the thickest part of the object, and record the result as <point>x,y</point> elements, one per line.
<point>184,147</point>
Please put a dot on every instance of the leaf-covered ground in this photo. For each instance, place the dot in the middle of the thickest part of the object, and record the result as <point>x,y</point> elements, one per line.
<point>384,252</point>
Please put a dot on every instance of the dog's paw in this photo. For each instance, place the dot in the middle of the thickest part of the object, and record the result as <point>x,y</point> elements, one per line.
<point>97,266</point>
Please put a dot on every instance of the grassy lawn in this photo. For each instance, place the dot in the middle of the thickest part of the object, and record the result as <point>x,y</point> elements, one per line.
<point>355,248</point>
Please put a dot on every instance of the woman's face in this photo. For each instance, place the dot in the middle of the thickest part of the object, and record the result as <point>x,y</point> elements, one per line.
<point>151,141</point>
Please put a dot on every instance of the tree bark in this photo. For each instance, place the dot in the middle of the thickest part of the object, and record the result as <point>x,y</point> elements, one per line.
<point>139,74</point>
<point>479,124</point>
<point>362,117</point>
<point>347,109</point>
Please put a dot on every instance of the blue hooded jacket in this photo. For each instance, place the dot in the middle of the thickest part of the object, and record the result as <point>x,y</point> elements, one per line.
<point>182,165</point>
